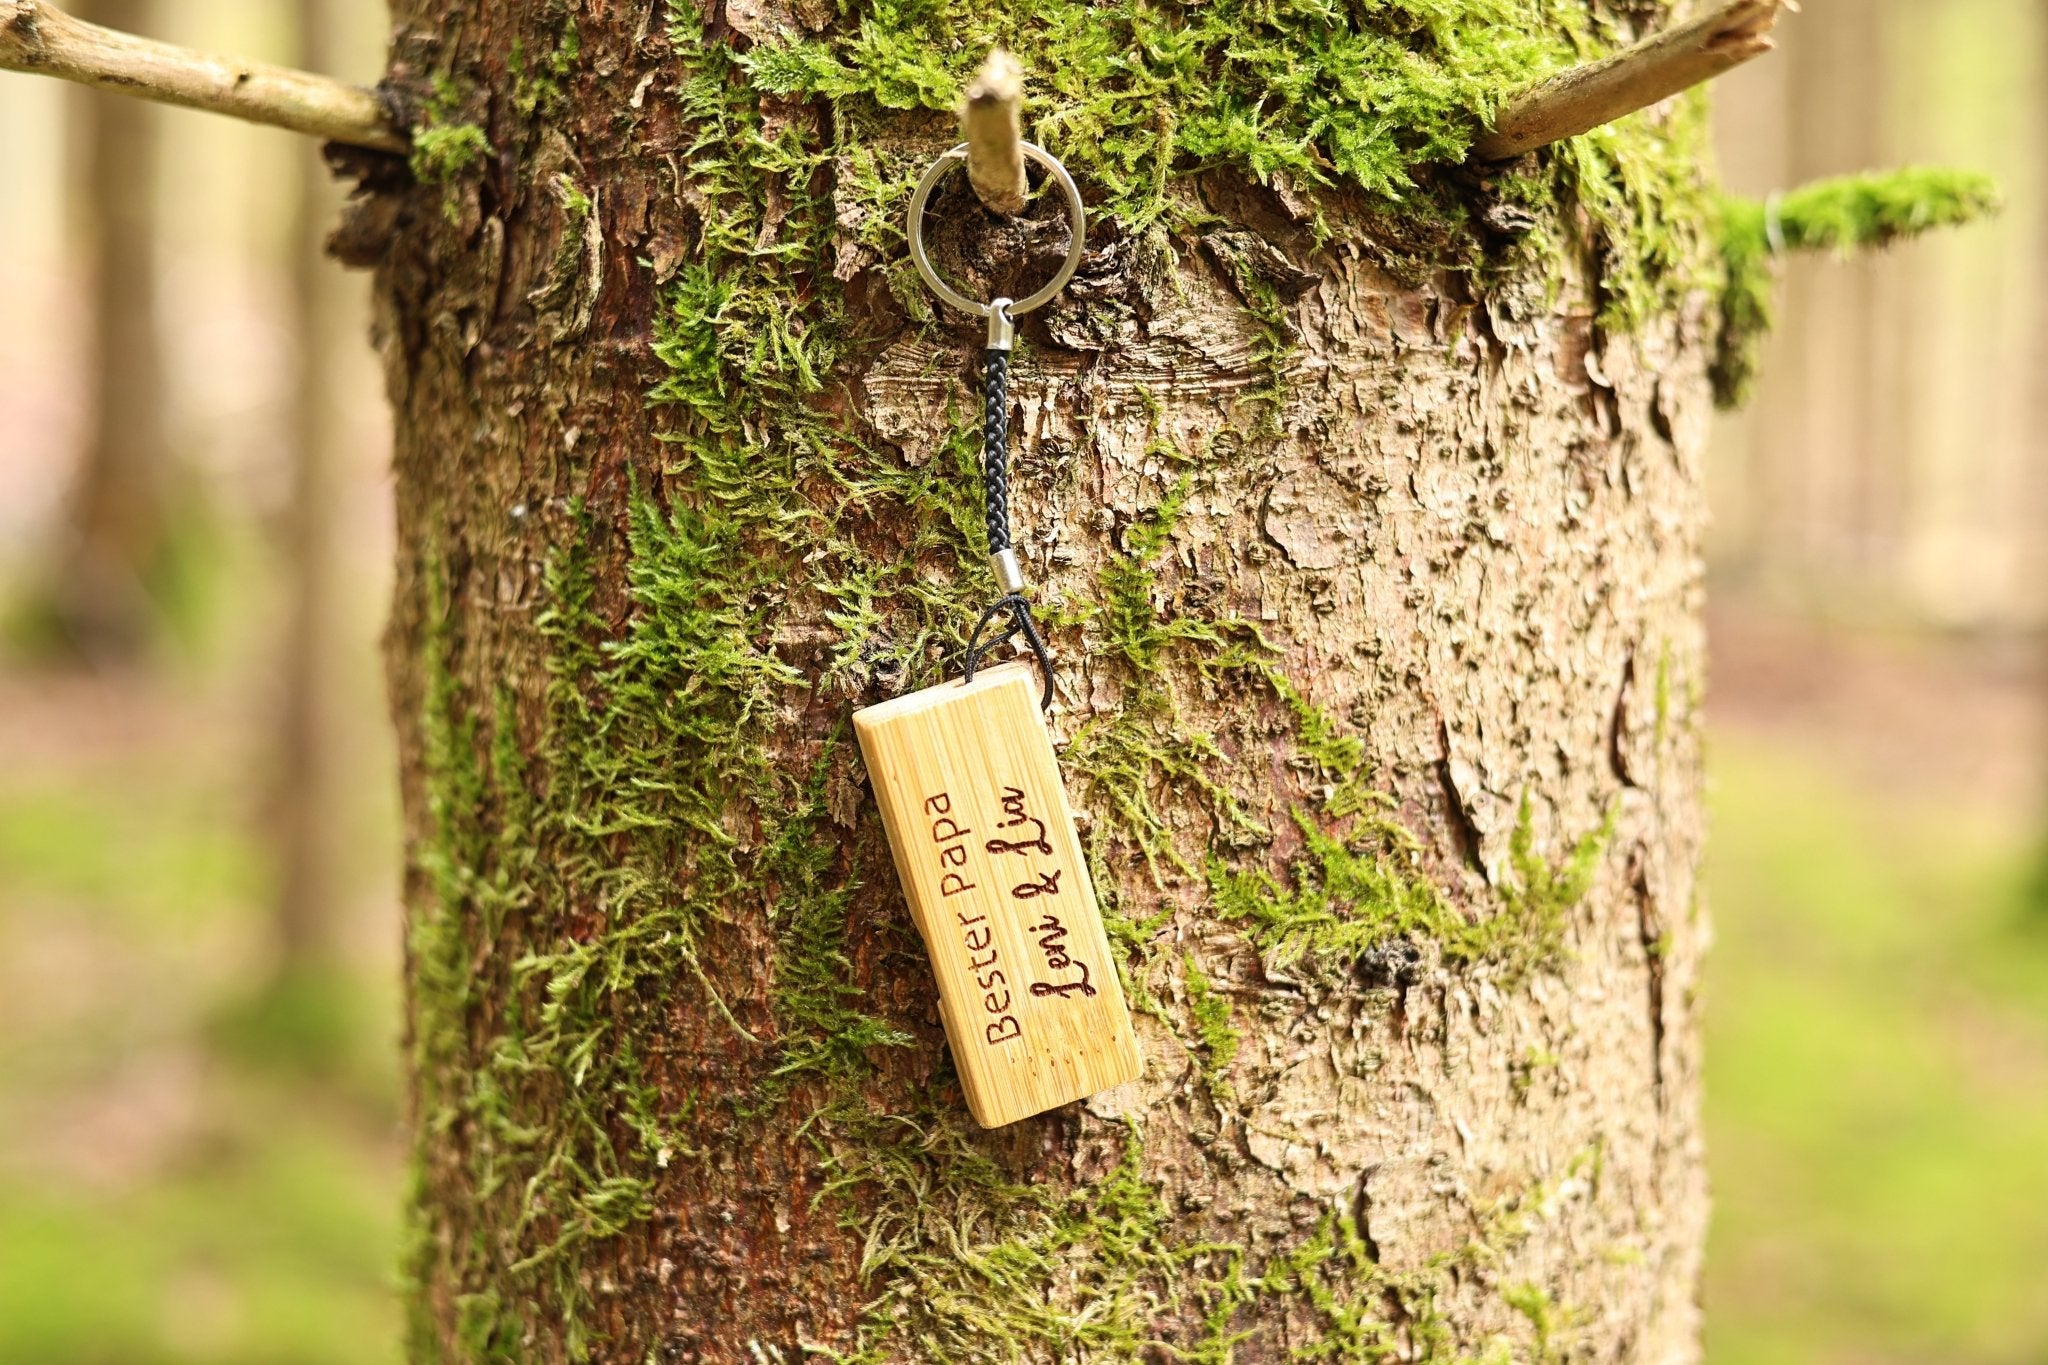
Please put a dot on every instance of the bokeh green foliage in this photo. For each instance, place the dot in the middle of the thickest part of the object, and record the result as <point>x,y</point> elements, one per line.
<point>195,1169</point>
<point>1876,1071</point>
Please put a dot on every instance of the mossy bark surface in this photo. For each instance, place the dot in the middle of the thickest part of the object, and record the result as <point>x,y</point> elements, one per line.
<point>1365,496</point>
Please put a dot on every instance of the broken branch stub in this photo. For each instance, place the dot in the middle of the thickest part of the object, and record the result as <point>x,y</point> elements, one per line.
<point>992,125</point>
<point>39,38</point>
<point>1583,98</point>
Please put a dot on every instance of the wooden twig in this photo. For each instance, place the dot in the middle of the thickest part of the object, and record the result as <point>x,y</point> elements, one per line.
<point>39,37</point>
<point>992,124</point>
<point>1660,66</point>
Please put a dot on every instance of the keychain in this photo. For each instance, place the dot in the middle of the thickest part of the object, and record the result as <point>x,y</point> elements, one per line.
<point>976,813</point>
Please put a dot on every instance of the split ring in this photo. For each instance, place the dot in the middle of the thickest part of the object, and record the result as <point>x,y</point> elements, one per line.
<point>1077,224</point>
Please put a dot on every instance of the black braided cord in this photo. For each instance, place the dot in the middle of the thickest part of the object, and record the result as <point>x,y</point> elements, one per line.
<point>995,451</point>
<point>1019,612</point>
<point>995,488</point>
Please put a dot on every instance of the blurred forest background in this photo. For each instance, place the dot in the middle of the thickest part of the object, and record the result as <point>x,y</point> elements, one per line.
<point>199,933</point>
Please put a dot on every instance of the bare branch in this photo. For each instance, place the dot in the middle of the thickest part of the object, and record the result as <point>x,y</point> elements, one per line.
<point>39,37</point>
<point>992,123</point>
<point>1583,98</point>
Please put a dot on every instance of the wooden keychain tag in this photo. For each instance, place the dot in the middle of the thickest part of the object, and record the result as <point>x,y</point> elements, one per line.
<point>984,842</point>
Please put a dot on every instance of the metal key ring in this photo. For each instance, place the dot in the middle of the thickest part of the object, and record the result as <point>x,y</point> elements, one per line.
<point>1077,223</point>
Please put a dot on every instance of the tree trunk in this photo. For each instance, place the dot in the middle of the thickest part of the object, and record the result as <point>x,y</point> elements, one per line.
<point>1823,438</point>
<point>2038,409</point>
<point>1369,529</point>
<point>308,845</point>
<point>112,537</point>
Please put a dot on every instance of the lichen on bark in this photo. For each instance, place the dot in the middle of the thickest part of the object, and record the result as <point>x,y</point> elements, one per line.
<point>1358,484</point>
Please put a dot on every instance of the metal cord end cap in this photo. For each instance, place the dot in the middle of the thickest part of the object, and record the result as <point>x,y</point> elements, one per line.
<point>1002,328</point>
<point>1009,573</point>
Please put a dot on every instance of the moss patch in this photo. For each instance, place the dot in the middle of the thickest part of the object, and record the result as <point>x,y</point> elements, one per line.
<point>1137,97</point>
<point>1345,895</point>
<point>648,746</point>
<point>1128,93</point>
<point>967,1262</point>
<point>1355,887</point>
<point>967,1266</point>
<point>1209,1012</point>
<point>445,145</point>
<point>1142,759</point>
<point>537,83</point>
<point>1847,214</point>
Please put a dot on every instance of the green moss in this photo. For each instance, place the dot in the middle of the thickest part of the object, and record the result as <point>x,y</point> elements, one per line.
<point>1366,1313</point>
<point>824,1035</point>
<point>1644,195</point>
<point>647,744</point>
<point>1547,1319</point>
<point>1662,726</point>
<point>444,991</point>
<point>1271,316</point>
<point>967,1265</point>
<point>443,154</point>
<point>1129,622</point>
<point>1844,215</point>
<point>1538,897</point>
<point>1135,95</point>
<point>1522,1072</point>
<point>1347,894</point>
<point>1127,92</point>
<point>1354,887</point>
<point>1210,1013</point>
<point>445,146</point>
<point>537,85</point>
<point>979,1268</point>
<point>1338,759</point>
<point>646,739</point>
<point>1141,760</point>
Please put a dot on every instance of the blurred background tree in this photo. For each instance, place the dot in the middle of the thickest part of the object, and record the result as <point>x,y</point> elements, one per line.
<point>173,1187</point>
<point>325,332</point>
<point>104,585</point>
<point>198,942</point>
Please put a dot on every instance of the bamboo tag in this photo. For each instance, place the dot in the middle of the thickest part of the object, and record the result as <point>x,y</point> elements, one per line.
<point>984,842</point>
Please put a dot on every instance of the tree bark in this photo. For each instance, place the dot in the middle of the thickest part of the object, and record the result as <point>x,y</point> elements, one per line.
<point>1376,597</point>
